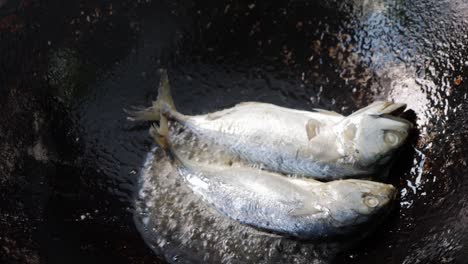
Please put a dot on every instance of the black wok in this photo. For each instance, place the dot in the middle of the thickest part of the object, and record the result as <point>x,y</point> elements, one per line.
<point>69,161</point>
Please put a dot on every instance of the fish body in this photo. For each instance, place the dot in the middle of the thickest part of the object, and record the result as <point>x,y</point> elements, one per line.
<point>229,150</point>
<point>318,144</point>
<point>302,208</point>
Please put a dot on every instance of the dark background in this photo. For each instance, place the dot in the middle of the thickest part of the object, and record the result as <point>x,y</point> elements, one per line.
<point>69,161</point>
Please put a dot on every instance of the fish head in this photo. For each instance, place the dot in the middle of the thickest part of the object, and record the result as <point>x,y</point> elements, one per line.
<point>358,201</point>
<point>372,135</point>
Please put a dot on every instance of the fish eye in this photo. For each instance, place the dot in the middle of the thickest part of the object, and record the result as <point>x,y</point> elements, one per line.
<point>371,201</point>
<point>391,138</point>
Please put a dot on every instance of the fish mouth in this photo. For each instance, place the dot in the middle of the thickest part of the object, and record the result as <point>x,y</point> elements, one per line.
<point>382,108</point>
<point>389,110</point>
<point>393,109</point>
<point>394,118</point>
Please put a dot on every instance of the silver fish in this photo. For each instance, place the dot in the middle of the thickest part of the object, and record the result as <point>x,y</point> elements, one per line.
<point>321,144</point>
<point>302,208</point>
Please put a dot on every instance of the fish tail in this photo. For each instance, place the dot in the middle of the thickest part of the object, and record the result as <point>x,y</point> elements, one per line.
<point>160,133</point>
<point>163,101</point>
<point>160,136</point>
<point>164,92</point>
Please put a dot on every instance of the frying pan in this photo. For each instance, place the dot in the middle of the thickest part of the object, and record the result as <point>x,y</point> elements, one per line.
<point>70,162</point>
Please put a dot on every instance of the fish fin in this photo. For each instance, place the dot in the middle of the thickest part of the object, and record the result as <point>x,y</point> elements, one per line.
<point>164,100</point>
<point>159,135</point>
<point>304,211</point>
<point>142,114</point>
<point>248,103</point>
<point>312,128</point>
<point>326,112</point>
<point>164,91</point>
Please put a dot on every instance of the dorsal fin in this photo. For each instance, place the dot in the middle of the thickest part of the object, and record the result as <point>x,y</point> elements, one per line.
<point>248,103</point>
<point>326,112</point>
<point>312,128</point>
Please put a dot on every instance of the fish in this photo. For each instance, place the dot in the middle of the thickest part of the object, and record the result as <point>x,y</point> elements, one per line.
<point>319,144</point>
<point>301,208</point>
